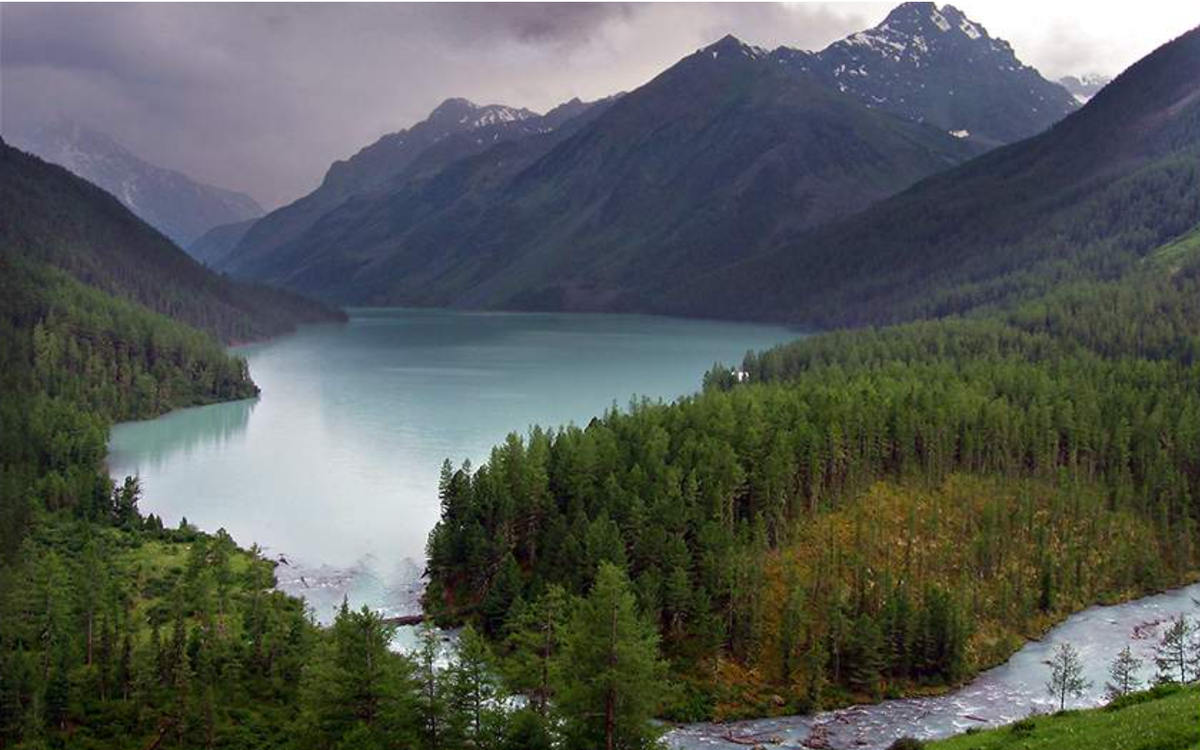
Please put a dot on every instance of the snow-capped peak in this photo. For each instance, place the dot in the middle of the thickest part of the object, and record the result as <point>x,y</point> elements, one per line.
<point>467,115</point>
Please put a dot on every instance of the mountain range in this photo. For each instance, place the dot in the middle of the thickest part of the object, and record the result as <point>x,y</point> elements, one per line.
<point>1086,200</point>
<point>712,162</point>
<point>170,201</point>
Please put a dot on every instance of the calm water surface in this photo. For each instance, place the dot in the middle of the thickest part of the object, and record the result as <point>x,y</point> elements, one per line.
<point>335,466</point>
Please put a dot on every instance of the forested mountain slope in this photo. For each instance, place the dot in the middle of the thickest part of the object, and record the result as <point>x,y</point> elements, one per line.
<point>50,216</point>
<point>214,245</point>
<point>454,130</point>
<point>1085,200</point>
<point>702,166</point>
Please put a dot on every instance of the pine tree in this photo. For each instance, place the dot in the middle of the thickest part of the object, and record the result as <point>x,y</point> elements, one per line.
<point>534,641</point>
<point>502,591</point>
<point>1172,656</point>
<point>432,709</point>
<point>474,689</point>
<point>1066,676</point>
<point>1123,675</point>
<point>863,661</point>
<point>609,676</point>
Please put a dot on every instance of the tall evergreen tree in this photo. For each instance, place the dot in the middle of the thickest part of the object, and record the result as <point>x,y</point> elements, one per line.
<point>534,642</point>
<point>475,691</point>
<point>610,679</point>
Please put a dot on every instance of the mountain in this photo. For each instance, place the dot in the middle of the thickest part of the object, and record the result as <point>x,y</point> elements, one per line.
<point>1087,199</point>
<point>1084,87</point>
<point>717,159</point>
<point>175,204</point>
<point>936,65</point>
<point>214,245</point>
<point>50,217</point>
<point>455,129</point>
<point>694,170</point>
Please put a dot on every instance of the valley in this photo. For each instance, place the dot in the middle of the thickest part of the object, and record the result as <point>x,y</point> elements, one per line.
<point>829,399</point>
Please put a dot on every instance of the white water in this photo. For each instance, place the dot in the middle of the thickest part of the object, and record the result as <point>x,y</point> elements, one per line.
<point>998,696</point>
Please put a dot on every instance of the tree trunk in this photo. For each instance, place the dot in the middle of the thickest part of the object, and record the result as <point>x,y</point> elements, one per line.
<point>610,699</point>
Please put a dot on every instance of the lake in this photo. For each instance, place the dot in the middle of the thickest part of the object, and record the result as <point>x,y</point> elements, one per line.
<point>334,469</point>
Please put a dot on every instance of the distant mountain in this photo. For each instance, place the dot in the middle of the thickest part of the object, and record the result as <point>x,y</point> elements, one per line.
<point>170,201</point>
<point>1084,87</point>
<point>455,129</point>
<point>212,247</point>
<point>1086,200</point>
<point>697,169</point>
<point>937,66</point>
<point>49,216</point>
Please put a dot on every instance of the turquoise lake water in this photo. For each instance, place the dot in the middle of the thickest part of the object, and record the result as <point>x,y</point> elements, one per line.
<point>335,466</point>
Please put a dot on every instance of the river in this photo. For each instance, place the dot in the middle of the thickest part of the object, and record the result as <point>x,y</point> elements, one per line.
<point>998,696</point>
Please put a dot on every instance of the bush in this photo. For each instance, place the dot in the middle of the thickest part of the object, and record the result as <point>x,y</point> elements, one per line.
<point>1024,727</point>
<point>1155,693</point>
<point>907,743</point>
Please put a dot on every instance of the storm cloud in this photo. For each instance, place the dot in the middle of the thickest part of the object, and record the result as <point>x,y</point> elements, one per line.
<point>262,97</point>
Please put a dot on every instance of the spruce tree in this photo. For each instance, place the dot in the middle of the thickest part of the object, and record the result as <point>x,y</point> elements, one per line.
<point>534,641</point>
<point>503,590</point>
<point>474,689</point>
<point>609,676</point>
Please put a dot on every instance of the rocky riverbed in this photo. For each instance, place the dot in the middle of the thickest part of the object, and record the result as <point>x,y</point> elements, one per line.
<point>998,696</point>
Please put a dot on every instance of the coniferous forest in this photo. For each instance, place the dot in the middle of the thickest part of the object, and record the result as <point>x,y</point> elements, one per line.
<point>1036,462</point>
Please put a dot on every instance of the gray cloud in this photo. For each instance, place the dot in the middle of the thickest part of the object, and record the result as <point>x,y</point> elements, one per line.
<point>262,97</point>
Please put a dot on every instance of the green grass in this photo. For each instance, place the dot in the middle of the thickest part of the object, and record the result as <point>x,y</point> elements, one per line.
<point>1170,722</point>
<point>1175,254</point>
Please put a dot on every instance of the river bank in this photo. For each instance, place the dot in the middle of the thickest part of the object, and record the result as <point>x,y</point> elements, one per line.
<point>996,697</point>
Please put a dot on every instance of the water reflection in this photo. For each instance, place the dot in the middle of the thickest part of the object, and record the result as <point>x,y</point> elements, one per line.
<point>179,435</point>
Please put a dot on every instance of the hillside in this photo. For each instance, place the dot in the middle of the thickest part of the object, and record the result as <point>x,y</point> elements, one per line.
<point>50,216</point>
<point>1157,719</point>
<point>700,167</point>
<point>456,129</point>
<point>168,200</point>
<point>1085,200</point>
<point>214,245</point>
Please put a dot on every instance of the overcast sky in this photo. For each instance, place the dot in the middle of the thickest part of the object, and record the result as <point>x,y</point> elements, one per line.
<point>262,98</point>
